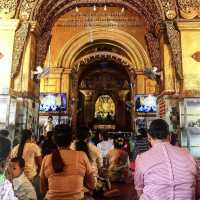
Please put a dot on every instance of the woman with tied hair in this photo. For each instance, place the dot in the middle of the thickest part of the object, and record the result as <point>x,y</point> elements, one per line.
<point>65,172</point>
<point>118,162</point>
<point>6,190</point>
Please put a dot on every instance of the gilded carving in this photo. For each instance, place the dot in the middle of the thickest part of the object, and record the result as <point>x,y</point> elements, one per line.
<point>8,8</point>
<point>26,9</point>
<point>47,11</point>
<point>103,55</point>
<point>154,49</point>
<point>175,47</point>
<point>169,7</point>
<point>42,47</point>
<point>19,45</point>
<point>189,9</point>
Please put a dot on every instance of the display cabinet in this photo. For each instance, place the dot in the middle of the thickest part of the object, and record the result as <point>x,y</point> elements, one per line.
<point>190,125</point>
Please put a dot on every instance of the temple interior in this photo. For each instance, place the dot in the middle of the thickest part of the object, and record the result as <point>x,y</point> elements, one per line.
<point>109,65</point>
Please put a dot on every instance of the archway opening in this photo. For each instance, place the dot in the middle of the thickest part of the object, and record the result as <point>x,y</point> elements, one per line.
<point>104,88</point>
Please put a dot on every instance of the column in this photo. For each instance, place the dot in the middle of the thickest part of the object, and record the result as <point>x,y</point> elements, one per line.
<point>7,33</point>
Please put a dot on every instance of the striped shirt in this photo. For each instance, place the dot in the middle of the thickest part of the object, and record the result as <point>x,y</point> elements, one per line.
<point>141,145</point>
<point>166,172</point>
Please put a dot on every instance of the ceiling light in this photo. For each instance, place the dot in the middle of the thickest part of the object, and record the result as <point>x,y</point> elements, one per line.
<point>122,10</point>
<point>105,8</point>
<point>94,8</point>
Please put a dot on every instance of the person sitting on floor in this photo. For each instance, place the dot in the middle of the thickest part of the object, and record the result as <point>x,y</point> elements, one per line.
<point>48,145</point>
<point>106,145</point>
<point>23,188</point>
<point>65,172</point>
<point>118,162</point>
<point>141,142</point>
<point>166,172</point>
<point>82,144</point>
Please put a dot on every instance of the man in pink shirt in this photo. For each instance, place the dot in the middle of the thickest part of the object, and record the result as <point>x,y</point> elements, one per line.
<point>166,172</point>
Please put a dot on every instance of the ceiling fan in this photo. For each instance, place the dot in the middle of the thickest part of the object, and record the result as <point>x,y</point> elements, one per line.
<point>41,72</point>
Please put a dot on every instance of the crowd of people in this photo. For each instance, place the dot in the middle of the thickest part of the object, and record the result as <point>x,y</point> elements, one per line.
<point>67,166</point>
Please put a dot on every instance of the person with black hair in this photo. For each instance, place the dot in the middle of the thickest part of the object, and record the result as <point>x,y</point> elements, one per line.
<point>6,190</point>
<point>141,143</point>
<point>166,171</point>
<point>83,143</point>
<point>23,188</point>
<point>48,126</point>
<point>118,162</point>
<point>31,153</point>
<point>65,171</point>
<point>4,132</point>
<point>48,145</point>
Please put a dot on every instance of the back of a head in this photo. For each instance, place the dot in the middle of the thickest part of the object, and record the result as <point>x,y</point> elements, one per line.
<point>49,134</point>
<point>143,132</point>
<point>62,136</point>
<point>83,133</point>
<point>119,142</point>
<point>5,146</point>
<point>4,132</point>
<point>105,136</point>
<point>159,129</point>
<point>26,135</point>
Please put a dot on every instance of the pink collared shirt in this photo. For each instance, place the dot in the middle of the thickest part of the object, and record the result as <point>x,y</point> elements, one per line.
<point>166,172</point>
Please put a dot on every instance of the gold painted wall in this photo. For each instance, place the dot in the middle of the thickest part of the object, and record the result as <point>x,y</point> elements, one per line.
<point>145,85</point>
<point>190,40</point>
<point>7,33</point>
<point>62,33</point>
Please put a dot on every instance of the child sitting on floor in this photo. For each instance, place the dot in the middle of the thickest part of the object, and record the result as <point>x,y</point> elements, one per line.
<point>23,188</point>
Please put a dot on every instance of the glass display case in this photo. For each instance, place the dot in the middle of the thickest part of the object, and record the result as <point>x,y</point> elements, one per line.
<point>190,124</point>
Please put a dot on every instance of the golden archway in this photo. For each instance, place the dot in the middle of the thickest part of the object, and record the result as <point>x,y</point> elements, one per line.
<point>126,42</point>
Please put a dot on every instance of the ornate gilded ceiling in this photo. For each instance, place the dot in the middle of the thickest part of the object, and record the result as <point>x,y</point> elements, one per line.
<point>47,11</point>
<point>50,10</point>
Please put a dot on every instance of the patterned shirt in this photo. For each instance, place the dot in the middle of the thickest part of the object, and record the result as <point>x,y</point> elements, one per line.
<point>6,191</point>
<point>166,172</point>
<point>23,188</point>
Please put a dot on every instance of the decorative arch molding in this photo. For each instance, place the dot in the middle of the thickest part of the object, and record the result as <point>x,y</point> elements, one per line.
<point>134,50</point>
<point>47,11</point>
<point>90,58</point>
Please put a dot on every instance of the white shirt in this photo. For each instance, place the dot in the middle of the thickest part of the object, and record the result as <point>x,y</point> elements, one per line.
<point>6,191</point>
<point>105,147</point>
<point>23,188</point>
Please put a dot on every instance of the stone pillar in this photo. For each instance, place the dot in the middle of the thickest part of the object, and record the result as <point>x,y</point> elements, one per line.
<point>88,106</point>
<point>74,100</point>
<point>8,104</point>
<point>122,96</point>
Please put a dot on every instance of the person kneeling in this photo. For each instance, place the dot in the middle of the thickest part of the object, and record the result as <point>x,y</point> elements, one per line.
<point>23,188</point>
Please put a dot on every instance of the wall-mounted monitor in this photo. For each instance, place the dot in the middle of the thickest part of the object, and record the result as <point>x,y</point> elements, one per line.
<point>53,102</point>
<point>145,104</point>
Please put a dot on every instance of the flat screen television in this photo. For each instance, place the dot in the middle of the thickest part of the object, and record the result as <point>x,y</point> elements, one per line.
<point>53,102</point>
<point>145,104</point>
